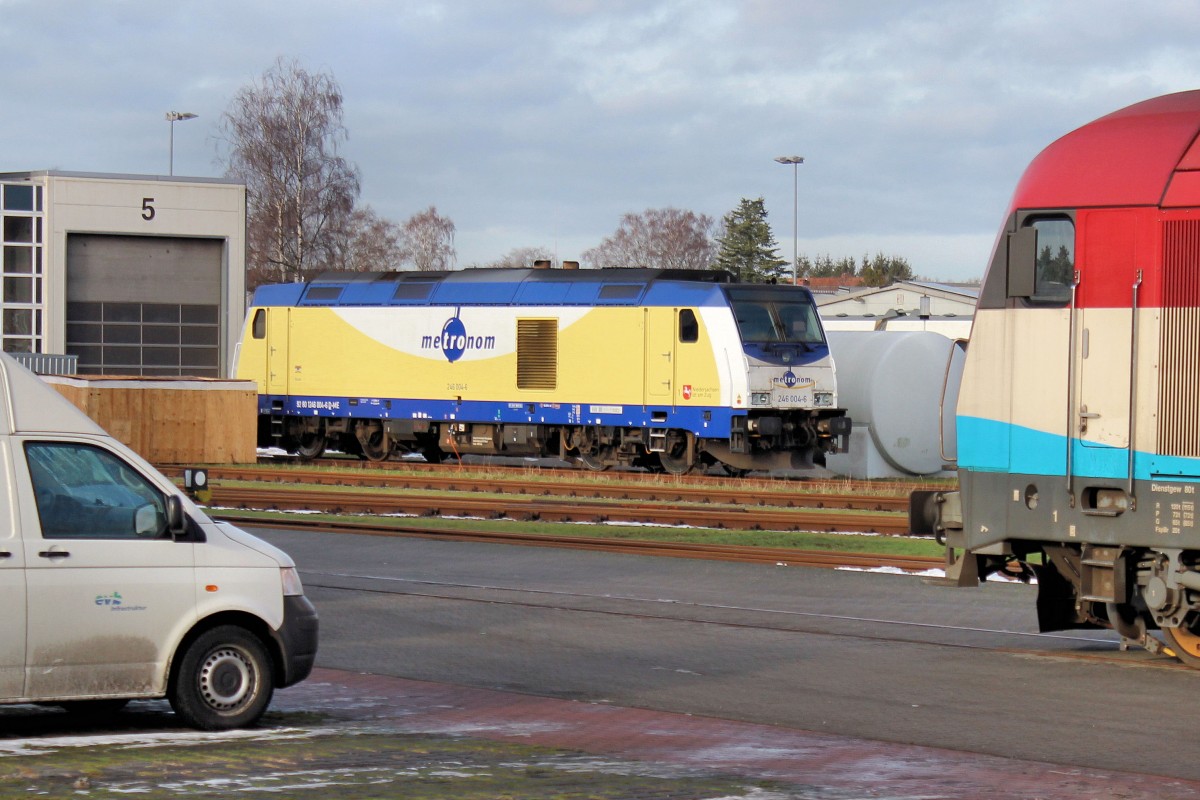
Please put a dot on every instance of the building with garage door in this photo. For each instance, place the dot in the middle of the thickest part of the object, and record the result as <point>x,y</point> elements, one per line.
<point>133,275</point>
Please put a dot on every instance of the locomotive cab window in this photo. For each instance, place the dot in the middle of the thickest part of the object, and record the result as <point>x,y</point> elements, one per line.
<point>1042,261</point>
<point>259,330</point>
<point>773,315</point>
<point>689,326</point>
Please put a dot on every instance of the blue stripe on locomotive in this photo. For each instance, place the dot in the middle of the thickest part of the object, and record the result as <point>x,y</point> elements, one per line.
<point>986,445</point>
<point>703,420</point>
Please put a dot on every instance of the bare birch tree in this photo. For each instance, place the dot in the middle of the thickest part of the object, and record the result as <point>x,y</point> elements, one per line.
<point>429,240</point>
<point>662,238</point>
<point>522,258</point>
<point>284,131</point>
<point>371,243</point>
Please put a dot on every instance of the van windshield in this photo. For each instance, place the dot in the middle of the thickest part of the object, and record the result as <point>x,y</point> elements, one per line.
<point>776,314</point>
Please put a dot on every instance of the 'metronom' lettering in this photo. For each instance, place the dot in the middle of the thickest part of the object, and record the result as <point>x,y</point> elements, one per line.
<point>454,340</point>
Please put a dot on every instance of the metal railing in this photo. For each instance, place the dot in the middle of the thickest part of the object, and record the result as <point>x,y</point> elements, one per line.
<point>48,363</point>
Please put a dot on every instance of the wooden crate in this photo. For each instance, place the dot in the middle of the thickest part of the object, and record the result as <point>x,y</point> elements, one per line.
<point>171,420</point>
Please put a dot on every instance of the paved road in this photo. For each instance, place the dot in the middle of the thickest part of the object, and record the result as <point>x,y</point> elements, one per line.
<point>874,656</point>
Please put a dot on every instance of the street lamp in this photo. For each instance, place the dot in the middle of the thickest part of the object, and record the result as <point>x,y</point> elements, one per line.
<point>173,117</point>
<point>795,161</point>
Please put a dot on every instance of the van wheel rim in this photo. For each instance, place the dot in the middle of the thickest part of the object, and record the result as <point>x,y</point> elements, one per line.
<point>226,679</point>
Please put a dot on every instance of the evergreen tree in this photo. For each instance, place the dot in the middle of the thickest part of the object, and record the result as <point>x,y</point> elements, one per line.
<point>747,246</point>
<point>885,270</point>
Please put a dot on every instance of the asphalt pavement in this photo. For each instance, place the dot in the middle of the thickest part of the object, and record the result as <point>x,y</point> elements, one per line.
<point>873,657</point>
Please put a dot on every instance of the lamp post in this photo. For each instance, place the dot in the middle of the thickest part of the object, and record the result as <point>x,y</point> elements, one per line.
<point>795,161</point>
<point>173,117</point>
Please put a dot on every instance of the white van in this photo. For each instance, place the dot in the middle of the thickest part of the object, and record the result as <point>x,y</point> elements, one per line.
<point>116,586</point>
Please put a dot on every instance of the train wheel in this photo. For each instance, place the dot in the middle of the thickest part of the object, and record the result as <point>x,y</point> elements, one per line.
<point>592,462</point>
<point>1185,643</point>
<point>679,457</point>
<point>375,445</point>
<point>311,445</point>
<point>674,465</point>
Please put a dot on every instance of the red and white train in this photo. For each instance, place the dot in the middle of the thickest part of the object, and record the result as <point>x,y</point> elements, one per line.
<point>1079,410</point>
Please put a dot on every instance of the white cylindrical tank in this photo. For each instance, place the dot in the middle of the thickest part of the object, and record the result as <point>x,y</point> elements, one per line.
<point>891,385</point>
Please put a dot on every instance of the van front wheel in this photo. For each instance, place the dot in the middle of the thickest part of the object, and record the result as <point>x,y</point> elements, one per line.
<point>224,680</point>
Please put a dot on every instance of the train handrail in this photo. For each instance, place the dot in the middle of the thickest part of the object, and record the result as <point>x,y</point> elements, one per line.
<point>1133,345</point>
<point>1071,387</point>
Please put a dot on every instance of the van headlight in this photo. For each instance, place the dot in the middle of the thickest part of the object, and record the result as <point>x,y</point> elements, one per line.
<point>291,582</point>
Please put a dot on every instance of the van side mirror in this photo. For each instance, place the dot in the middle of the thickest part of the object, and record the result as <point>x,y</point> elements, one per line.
<point>177,522</point>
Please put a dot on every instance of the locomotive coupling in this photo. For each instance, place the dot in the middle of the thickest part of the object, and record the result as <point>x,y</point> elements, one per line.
<point>933,512</point>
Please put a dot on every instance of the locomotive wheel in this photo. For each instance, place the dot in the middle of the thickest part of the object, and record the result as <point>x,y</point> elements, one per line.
<point>1185,643</point>
<point>675,459</point>
<point>592,462</point>
<point>674,465</point>
<point>375,445</point>
<point>311,444</point>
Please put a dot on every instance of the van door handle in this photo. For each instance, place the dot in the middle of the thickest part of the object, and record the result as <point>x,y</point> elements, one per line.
<point>54,553</point>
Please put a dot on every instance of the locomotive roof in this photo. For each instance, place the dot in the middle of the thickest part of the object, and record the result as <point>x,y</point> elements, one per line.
<point>1145,154</point>
<point>610,286</point>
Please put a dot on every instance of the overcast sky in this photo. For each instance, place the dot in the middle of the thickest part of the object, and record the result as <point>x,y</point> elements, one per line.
<point>541,122</point>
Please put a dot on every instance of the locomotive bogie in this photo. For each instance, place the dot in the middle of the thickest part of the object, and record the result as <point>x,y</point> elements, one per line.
<point>605,367</point>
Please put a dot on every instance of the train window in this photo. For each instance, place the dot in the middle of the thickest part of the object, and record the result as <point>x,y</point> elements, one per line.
<point>260,324</point>
<point>621,291</point>
<point>689,327</point>
<point>1054,266</point>
<point>324,293</point>
<point>776,315</point>
<point>413,290</point>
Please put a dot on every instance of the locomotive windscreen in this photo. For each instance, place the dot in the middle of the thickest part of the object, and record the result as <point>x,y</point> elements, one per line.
<point>772,314</point>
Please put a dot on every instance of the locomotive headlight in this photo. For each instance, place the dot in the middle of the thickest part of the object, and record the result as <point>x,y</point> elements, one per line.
<point>760,398</point>
<point>823,399</point>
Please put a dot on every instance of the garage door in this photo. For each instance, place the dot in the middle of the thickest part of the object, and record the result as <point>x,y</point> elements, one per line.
<point>144,305</point>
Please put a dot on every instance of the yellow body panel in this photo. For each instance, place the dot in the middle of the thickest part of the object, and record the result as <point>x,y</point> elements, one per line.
<point>618,356</point>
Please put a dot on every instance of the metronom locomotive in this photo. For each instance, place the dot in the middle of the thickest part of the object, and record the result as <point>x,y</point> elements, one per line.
<point>1079,407</point>
<point>667,369</point>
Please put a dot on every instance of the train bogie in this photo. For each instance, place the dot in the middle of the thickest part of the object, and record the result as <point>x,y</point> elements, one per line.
<point>633,367</point>
<point>1078,417</point>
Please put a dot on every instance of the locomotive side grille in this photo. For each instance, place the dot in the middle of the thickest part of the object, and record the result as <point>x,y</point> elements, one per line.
<point>1179,343</point>
<point>537,353</point>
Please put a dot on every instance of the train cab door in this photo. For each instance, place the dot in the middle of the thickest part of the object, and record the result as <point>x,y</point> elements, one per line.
<point>659,327</point>
<point>1103,346</point>
<point>278,333</point>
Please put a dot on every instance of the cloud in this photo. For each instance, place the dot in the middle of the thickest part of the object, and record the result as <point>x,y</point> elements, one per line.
<point>541,121</point>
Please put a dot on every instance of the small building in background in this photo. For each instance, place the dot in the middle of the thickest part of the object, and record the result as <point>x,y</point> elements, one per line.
<point>904,306</point>
<point>135,275</point>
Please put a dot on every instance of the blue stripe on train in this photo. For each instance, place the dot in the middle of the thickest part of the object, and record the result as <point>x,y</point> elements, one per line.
<point>709,421</point>
<point>987,445</point>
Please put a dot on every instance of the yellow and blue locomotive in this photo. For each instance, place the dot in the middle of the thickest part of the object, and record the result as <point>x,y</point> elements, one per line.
<point>667,369</point>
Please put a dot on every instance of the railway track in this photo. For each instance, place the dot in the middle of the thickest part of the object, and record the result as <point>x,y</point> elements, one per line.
<point>711,552</point>
<point>543,469</point>
<point>661,490</point>
<point>555,509</point>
